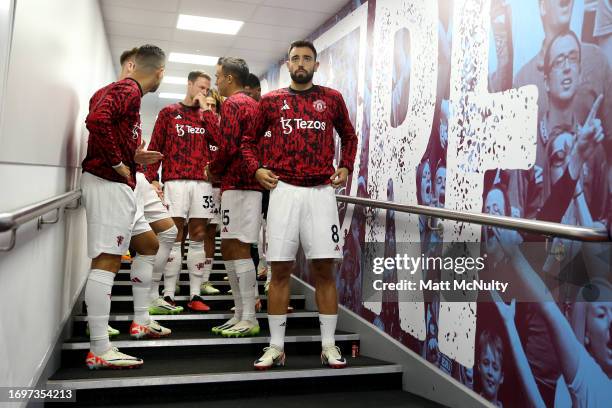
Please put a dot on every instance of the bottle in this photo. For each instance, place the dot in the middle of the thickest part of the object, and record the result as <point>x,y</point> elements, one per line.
<point>355,350</point>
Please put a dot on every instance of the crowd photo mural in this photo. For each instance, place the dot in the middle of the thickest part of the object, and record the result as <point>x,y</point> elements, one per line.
<point>501,107</point>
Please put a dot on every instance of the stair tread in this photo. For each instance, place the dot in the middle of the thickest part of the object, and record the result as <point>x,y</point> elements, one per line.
<point>212,315</point>
<point>166,367</point>
<point>186,283</point>
<point>340,399</point>
<point>126,298</point>
<point>203,334</point>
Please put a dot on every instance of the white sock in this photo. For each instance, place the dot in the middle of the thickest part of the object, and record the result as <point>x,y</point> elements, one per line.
<point>328,329</point>
<point>166,240</point>
<point>195,263</point>
<point>172,270</point>
<point>278,324</point>
<point>98,300</point>
<point>260,242</point>
<point>247,281</point>
<point>208,264</point>
<point>141,275</point>
<point>233,280</point>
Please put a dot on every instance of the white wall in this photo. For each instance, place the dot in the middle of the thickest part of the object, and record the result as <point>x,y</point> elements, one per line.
<point>59,57</point>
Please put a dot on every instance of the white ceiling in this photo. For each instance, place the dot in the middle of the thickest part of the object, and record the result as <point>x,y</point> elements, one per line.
<point>270,25</point>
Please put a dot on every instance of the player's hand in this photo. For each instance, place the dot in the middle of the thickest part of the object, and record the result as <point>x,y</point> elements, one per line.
<point>200,100</point>
<point>339,177</point>
<point>143,156</point>
<point>158,190</point>
<point>208,176</point>
<point>124,171</point>
<point>266,178</point>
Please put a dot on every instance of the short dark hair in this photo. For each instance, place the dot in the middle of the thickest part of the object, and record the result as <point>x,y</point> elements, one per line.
<point>303,43</point>
<point>547,56</point>
<point>252,81</point>
<point>127,54</point>
<point>237,67</point>
<point>150,57</point>
<point>193,75</point>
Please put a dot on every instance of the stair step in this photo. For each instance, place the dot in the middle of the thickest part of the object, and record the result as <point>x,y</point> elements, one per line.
<point>216,275</point>
<point>197,322</point>
<point>217,369</point>
<point>203,337</point>
<point>125,287</point>
<point>217,264</point>
<point>124,304</point>
<point>130,298</point>
<point>186,283</point>
<point>287,397</point>
<point>213,315</point>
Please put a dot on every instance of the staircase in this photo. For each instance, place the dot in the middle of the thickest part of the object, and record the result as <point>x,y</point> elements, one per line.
<point>193,367</point>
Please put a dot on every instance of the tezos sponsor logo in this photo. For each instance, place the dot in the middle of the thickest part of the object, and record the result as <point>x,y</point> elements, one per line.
<point>297,123</point>
<point>182,129</point>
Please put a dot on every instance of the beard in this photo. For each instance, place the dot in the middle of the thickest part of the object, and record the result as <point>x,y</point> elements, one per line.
<point>303,78</point>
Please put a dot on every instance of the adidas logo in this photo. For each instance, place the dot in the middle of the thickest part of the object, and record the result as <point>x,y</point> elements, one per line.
<point>283,324</point>
<point>285,105</point>
<point>224,229</point>
<point>178,117</point>
<point>136,280</point>
<point>337,248</point>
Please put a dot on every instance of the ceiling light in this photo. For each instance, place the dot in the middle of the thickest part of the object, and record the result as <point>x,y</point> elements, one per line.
<point>170,95</point>
<point>208,24</point>
<point>175,80</point>
<point>193,59</point>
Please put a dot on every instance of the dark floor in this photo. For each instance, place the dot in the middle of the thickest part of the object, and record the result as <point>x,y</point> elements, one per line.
<point>356,399</point>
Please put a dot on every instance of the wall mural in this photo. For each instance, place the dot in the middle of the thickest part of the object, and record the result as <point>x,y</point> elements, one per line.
<point>494,106</point>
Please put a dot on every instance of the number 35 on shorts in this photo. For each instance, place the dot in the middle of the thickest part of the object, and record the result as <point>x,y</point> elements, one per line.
<point>207,202</point>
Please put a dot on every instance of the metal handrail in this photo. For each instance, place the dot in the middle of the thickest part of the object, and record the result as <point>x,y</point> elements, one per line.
<point>521,224</point>
<point>11,221</point>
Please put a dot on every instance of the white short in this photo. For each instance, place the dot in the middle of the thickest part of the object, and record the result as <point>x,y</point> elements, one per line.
<point>146,197</point>
<point>241,215</point>
<point>140,224</point>
<point>113,216</point>
<point>189,199</point>
<point>217,200</point>
<point>306,215</point>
